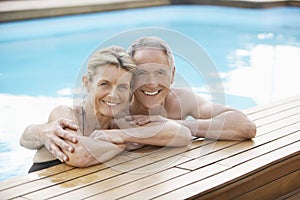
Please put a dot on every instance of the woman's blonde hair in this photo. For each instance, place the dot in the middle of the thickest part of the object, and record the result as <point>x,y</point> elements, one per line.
<point>113,55</point>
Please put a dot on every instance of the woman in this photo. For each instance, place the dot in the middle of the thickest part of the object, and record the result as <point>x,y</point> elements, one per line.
<point>108,86</point>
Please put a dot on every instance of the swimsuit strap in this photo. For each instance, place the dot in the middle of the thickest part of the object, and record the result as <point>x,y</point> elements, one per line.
<point>83,116</point>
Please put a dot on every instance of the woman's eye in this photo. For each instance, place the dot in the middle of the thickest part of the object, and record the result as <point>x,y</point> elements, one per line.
<point>103,84</point>
<point>140,72</point>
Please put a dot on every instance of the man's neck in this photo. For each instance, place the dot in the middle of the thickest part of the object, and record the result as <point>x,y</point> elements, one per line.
<point>137,108</point>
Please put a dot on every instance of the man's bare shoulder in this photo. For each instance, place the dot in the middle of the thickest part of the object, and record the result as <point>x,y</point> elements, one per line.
<point>183,93</point>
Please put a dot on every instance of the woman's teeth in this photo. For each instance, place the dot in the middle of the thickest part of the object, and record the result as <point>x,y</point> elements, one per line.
<point>110,103</point>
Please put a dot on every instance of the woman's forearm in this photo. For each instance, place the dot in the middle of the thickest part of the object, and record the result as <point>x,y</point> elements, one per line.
<point>89,151</point>
<point>30,137</point>
<point>159,134</point>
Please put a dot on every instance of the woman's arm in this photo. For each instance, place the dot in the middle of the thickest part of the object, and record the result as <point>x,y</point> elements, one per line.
<point>89,151</point>
<point>53,135</point>
<point>166,133</point>
<point>86,151</point>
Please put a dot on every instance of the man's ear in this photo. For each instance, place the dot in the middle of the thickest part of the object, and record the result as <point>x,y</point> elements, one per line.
<point>173,74</point>
<point>86,83</point>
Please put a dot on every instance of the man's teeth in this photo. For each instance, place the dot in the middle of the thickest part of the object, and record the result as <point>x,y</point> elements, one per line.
<point>151,93</point>
<point>110,103</point>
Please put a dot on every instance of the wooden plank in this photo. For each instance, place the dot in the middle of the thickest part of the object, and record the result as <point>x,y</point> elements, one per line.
<point>238,148</point>
<point>91,178</point>
<point>73,184</point>
<point>274,109</point>
<point>220,180</point>
<point>267,128</point>
<point>277,116</point>
<point>47,182</point>
<point>123,183</point>
<point>273,104</point>
<point>276,188</point>
<point>252,182</point>
<point>260,150</point>
<point>272,129</point>
<point>294,195</point>
<point>172,184</point>
<point>118,181</point>
<point>15,181</point>
<point>131,164</point>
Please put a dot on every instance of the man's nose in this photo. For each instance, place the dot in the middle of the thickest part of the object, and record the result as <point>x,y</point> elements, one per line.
<point>152,80</point>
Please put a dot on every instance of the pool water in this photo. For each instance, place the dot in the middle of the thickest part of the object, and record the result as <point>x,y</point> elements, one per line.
<point>255,51</point>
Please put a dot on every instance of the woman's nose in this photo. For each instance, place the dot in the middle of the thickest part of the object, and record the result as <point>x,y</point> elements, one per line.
<point>112,92</point>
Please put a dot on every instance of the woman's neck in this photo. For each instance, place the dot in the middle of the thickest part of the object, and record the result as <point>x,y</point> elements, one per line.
<point>94,121</point>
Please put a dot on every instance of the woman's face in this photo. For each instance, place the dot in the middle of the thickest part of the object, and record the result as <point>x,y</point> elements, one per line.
<point>110,90</point>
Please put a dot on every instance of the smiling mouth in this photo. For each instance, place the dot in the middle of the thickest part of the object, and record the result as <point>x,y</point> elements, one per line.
<point>110,103</point>
<point>151,93</point>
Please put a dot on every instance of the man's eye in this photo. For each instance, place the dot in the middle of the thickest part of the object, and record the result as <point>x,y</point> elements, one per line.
<point>161,72</point>
<point>123,87</point>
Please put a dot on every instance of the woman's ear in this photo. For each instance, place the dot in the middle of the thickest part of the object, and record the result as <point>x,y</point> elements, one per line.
<point>86,83</point>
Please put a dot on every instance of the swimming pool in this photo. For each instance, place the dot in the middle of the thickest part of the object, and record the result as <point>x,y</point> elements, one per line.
<point>255,51</point>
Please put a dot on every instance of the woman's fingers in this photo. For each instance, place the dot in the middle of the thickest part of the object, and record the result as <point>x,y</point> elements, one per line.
<point>64,134</point>
<point>66,123</point>
<point>56,151</point>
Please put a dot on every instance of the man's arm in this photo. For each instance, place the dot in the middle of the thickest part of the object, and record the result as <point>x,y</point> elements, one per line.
<point>215,121</point>
<point>212,121</point>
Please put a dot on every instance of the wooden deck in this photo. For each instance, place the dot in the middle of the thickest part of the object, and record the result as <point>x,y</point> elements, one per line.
<point>268,167</point>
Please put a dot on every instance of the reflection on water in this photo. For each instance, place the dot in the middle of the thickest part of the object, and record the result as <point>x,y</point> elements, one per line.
<point>16,113</point>
<point>270,75</point>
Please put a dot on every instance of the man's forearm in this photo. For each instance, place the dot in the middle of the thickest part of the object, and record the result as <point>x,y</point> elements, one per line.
<point>230,125</point>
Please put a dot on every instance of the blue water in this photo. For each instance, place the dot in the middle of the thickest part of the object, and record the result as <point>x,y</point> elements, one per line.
<point>255,51</point>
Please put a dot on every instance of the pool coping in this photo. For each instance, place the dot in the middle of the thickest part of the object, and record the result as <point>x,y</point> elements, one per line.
<point>29,9</point>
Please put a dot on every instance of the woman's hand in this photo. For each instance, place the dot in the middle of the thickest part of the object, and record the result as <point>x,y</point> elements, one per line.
<point>112,136</point>
<point>55,137</point>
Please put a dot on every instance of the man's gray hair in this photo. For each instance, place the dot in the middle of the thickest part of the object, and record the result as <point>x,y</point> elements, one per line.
<point>151,42</point>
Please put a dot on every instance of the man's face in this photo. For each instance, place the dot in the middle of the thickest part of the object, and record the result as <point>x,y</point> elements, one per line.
<point>153,77</point>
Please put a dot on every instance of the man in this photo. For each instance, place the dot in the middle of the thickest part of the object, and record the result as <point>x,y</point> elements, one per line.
<point>155,100</point>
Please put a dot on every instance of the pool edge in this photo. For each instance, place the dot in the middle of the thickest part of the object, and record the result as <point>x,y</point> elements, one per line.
<point>23,10</point>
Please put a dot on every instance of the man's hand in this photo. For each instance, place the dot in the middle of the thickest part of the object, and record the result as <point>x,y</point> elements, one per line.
<point>57,135</point>
<point>141,120</point>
